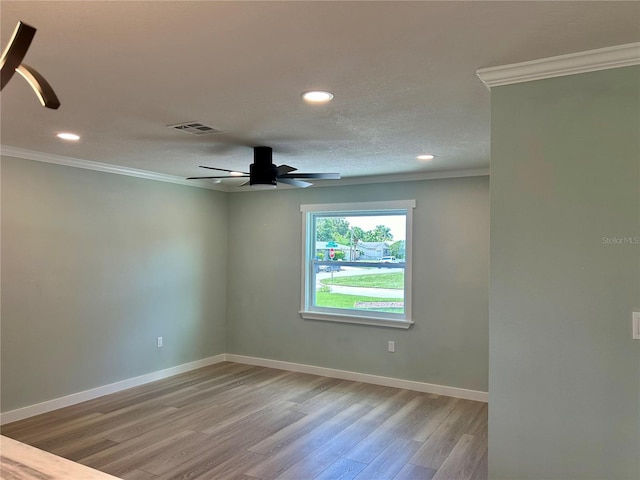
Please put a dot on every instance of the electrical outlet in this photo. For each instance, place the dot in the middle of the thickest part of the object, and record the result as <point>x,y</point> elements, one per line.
<point>636,325</point>
<point>159,342</point>
<point>392,346</point>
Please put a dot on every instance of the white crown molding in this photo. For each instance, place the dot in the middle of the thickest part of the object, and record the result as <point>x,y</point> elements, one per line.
<point>400,177</point>
<point>570,64</point>
<point>26,154</point>
<point>17,152</point>
<point>407,177</point>
<point>412,177</point>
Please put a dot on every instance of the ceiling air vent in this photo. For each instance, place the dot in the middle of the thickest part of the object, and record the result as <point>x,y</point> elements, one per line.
<point>195,128</point>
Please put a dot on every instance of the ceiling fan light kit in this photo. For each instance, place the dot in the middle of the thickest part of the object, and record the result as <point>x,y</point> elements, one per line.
<point>262,172</point>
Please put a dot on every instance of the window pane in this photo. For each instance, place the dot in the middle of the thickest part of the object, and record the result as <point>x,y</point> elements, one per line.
<point>345,248</point>
<point>360,288</point>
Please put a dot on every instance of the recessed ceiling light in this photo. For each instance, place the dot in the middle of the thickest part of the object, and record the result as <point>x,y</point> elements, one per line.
<point>425,157</point>
<point>317,96</point>
<point>68,136</point>
<point>236,174</point>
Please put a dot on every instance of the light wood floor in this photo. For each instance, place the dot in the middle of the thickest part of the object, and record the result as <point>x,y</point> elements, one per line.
<point>240,422</point>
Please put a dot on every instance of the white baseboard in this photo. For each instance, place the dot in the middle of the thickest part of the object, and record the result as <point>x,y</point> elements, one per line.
<point>66,401</point>
<point>363,377</point>
<point>56,403</point>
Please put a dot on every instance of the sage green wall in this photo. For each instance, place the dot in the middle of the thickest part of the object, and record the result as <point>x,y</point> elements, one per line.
<point>95,266</point>
<point>564,371</point>
<point>448,343</point>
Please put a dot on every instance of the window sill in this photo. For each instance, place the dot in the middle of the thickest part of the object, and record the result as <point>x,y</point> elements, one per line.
<point>360,320</point>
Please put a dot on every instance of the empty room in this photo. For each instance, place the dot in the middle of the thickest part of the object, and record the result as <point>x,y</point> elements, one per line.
<point>320,240</point>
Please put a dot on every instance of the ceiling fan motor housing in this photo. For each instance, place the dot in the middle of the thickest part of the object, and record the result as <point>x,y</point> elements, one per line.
<point>262,171</point>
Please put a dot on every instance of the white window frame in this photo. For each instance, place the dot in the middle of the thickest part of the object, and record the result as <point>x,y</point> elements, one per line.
<point>381,319</point>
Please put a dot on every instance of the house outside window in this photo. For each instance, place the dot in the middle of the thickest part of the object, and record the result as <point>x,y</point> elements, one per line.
<point>357,263</point>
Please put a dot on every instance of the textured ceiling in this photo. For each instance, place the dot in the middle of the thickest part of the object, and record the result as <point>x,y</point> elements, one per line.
<point>403,75</point>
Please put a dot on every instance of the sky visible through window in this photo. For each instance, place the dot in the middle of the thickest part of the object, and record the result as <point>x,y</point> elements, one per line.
<point>397,224</point>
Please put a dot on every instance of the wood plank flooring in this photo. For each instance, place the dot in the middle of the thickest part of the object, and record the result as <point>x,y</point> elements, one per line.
<point>239,422</point>
<point>19,461</point>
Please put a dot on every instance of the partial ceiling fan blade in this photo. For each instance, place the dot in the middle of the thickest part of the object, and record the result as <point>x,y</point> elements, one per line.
<point>225,176</point>
<point>224,170</point>
<point>325,176</point>
<point>40,86</point>
<point>283,169</point>
<point>295,183</point>
<point>15,51</point>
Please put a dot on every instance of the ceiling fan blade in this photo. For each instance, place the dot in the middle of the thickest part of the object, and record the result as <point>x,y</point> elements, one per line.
<point>325,176</point>
<point>40,86</point>
<point>223,176</point>
<point>223,170</point>
<point>283,169</point>
<point>15,51</point>
<point>295,183</point>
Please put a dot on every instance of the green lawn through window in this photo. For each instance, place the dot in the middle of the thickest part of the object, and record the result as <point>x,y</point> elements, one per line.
<point>339,300</point>
<point>393,280</point>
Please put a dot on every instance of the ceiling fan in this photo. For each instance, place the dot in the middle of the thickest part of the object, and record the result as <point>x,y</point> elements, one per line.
<point>11,62</point>
<point>263,174</point>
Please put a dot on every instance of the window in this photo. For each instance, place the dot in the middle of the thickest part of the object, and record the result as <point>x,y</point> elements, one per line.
<point>357,262</point>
